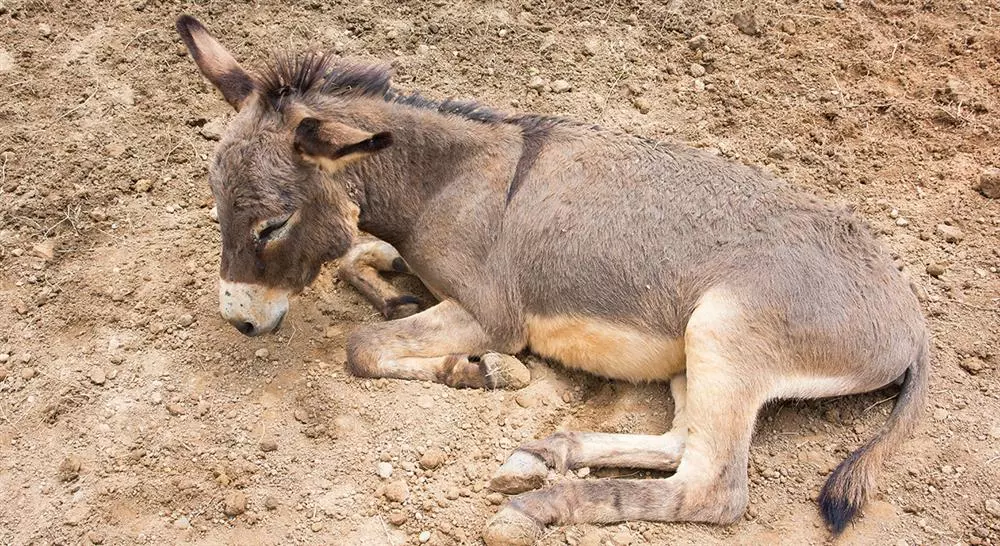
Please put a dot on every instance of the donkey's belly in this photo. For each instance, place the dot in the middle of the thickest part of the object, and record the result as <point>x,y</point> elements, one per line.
<point>605,348</point>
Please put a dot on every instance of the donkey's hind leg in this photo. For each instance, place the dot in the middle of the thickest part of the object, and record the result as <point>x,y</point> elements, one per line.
<point>727,376</point>
<point>360,268</point>
<point>528,466</point>
<point>444,344</point>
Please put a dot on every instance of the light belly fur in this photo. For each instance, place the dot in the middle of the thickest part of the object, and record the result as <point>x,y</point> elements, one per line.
<point>604,348</point>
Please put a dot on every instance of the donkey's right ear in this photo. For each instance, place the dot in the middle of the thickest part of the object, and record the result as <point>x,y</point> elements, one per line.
<point>215,62</point>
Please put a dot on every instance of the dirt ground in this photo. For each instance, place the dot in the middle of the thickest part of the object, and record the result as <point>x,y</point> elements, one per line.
<point>130,413</point>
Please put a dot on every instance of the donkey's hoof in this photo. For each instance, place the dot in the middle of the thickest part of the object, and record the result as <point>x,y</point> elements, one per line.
<point>504,371</point>
<point>522,472</point>
<point>512,527</point>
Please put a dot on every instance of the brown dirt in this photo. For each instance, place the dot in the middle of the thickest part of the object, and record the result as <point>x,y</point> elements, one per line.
<point>108,267</point>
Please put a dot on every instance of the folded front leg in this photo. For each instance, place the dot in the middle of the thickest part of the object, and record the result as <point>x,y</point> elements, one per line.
<point>444,344</point>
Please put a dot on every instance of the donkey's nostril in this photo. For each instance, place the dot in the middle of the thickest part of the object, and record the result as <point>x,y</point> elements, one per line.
<point>245,328</point>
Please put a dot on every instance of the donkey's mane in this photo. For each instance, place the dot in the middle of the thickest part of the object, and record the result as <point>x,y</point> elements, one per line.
<point>305,74</point>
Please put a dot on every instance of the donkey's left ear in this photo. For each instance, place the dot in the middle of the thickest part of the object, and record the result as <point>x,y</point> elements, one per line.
<point>215,62</point>
<point>332,145</point>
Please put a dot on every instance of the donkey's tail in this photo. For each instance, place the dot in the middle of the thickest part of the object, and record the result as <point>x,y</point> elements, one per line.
<point>853,481</point>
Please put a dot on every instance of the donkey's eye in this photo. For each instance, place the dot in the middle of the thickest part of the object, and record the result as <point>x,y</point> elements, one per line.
<point>273,229</point>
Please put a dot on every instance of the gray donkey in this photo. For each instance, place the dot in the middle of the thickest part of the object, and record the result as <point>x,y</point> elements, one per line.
<point>630,259</point>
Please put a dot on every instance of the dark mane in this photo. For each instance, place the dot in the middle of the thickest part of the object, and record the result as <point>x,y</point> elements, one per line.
<point>324,73</point>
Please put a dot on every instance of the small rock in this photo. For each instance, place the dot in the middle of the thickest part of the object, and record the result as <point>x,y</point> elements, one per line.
<point>78,514</point>
<point>993,507</point>
<point>561,86</point>
<point>495,498</point>
<point>143,185</point>
<point>28,373</point>
<point>213,214</point>
<point>972,364</point>
<point>185,320</point>
<point>788,26</point>
<point>45,250</point>
<point>940,414</point>
<point>316,527</point>
<point>44,29</point>
<point>591,538</point>
<point>182,523</point>
<point>583,472</point>
<point>235,504</point>
<point>746,21</point>
<point>950,234</point>
<point>591,47</point>
<point>397,491</point>
<point>69,470</point>
<point>699,42</point>
<point>453,492</point>
<point>642,104</point>
<point>784,149</point>
<point>262,353</point>
<point>425,402</point>
<point>96,537</point>
<point>97,376</point>
<point>989,183</point>
<point>902,222</point>
<point>696,70</point>
<point>301,416</point>
<point>383,470</point>
<point>432,458</point>
<point>398,518</point>
<point>537,83</point>
<point>213,129</point>
<point>424,536</point>
<point>524,399</point>
<point>268,445</point>
<point>271,503</point>
<point>156,398</point>
<point>935,269</point>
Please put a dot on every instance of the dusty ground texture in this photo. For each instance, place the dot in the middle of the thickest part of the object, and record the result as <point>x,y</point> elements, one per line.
<point>130,413</point>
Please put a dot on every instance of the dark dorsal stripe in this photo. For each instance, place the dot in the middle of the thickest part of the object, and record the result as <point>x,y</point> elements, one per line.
<point>534,132</point>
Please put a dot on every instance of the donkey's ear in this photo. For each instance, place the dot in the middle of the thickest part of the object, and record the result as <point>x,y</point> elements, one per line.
<point>332,145</point>
<point>215,62</point>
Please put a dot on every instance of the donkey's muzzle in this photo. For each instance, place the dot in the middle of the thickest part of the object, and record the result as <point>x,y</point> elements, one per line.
<point>252,309</point>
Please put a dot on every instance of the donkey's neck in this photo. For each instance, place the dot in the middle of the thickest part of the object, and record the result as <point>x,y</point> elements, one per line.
<point>431,155</point>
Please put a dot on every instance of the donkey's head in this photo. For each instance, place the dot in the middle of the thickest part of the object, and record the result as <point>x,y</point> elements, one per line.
<point>277,178</point>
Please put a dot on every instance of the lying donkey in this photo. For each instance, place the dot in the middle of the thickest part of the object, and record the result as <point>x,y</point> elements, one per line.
<point>627,258</point>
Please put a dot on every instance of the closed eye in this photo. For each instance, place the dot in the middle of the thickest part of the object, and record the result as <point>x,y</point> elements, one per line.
<point>274,229</point>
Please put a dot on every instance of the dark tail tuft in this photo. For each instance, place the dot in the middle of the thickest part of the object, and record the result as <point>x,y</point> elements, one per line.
<point>847,489</point>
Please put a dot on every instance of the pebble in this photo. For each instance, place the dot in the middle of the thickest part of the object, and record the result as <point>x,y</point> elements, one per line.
<point>185,320</point>
<point>788,26</point>
<point>432,458</point>
<point>96,537</point>
<point>989,183</point>
<point>746,21</point>
<point>235,504</point>
<point>213,129</point>
<point>424,536</point>
<point>175,409</point>
<point>495,498</point>
<point>698,42</point>
<point>993,507</point>
<point>935,269</point>
<point>524,399</point>
<point>398,518</point>
<point>950,234</point>
<point>156,398</point>
<point>642,104</point>
<point>213,213</point>
<point>97,376</point>
<point>696,70</point>
<point>271,503</point>
<point>561,86</point>
<point>537,83</point>
<point>77,515</point>
<point>972,364</point>
<point>4,357</point>
<point>397,491</point>
<point>591,47</point>
<point>69,470</point>
<point>44,29</point>
<point>182,523</point>
<point>268,445</point>
<point>262,353</point>
<point>425,402</point>
<point>383,470</point>
<point>143,185</point>
<point>784,149</point>
<point>28,373</point>
<point>316,526</point>
<point>902,222</point>
<point>940,414</point>
<point>583,472</point>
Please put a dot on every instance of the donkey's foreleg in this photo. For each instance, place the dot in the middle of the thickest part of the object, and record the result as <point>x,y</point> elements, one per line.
<point>360,268</point>
<point>444,344</point>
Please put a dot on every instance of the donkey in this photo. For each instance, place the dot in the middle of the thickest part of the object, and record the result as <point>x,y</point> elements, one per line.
<point>630,259</point>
